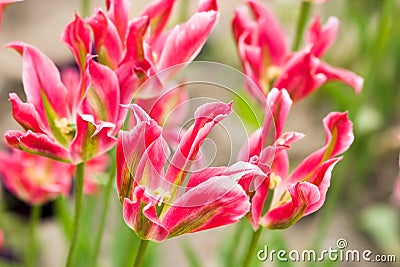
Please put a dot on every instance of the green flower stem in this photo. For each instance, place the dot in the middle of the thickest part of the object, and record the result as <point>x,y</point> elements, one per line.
<point>34,220</point>
<point>85,8</point>
<point>80,169</point>
<point>141,251</point>
<point>237,237</point>
<point>256,235</point>
<point>305,11</point>
<point>106,204</point>
<point>250,252</point>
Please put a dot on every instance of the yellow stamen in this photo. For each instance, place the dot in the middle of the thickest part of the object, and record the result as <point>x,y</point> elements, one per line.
<point>64,125</point>
<point>274,181</point>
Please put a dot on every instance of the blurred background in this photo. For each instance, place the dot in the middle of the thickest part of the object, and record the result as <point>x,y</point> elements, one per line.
<point>360,206</point>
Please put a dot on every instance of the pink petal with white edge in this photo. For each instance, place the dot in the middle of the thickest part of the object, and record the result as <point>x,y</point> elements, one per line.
<point>341,75</point>
<point>207,5</point>
<point>36,143</point>
<point>140,215</point>
<point>299,75</point>
<point>252,147</point>
<point>339,137</point>
<point>130,148</point>
<point>216,202</point>
<point>322,179</point>
<point>107,41</point>
<point>206,117</point>
<point>77,37</point>
<point>41,79</point>
<point>102,98</point>
<point>92,138</point>
<point>118,12</point>
<point>159,13</point>
<point>134,51</point>
<point>303,195</point>
<point>272,38</point>
<point>188,39</point>
<point>26,115</point>
<point>320,39</point>
<point>276,113</point>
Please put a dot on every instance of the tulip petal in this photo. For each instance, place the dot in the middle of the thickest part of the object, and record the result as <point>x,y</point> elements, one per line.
<point>320,39</point>
<point>26,115</point>
<point>43,86</point>
<point>303,195</point>
<point>159,13</point>
<point>118,12</point>
<point>299,75</point>
<point>207,5</point>
<point>134,41</point>
<point>188,39</point>
<point>36,143</point>
<point>271,38</point>
<point>322,178</point>
<point>107,41</point>
<point>276,113</point>
<point>216,202</point>
<point>130,148</point>
<point>92,138</point>
<point>102,98</point>
<point>77,38</point>
<point>140,215</point>
<point>206,116</point>
<point>341,75</point>
<point>339,137</point>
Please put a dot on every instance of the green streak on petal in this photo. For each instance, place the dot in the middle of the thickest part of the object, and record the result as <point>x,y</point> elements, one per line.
<point>97,104</point>
<point>193,221</point>
<point>90,144</point>
<point>52,116</point>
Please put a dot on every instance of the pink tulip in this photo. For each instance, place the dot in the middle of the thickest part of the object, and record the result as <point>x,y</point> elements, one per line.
<point>304,190</point>
<point>155,203</point>
<point>67,124</point>
<point>265,59</point>
<point>34,179</point>
<point>142,47</point>
<point>138,49</point>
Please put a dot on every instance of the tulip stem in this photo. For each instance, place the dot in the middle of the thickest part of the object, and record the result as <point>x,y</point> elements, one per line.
<point>106,204</point>
<point>143,244</point>
<point>80,169</point>
<point>305,10</point>
<point>237,237</point>
<point>85,8</point>
<point>34,220</point>
<point>250,252</point>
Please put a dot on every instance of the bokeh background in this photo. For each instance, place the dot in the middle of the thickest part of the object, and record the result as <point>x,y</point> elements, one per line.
<point>359,207</point>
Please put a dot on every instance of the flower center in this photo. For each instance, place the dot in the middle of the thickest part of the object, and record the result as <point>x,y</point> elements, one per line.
<point>65,126</point>
<point>274,180</point>
<point>162,195</point>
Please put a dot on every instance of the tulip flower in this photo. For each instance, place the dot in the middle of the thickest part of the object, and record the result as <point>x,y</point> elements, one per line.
<point>34,179</point>
<point>67,124</point>
<point>267,61</point>
<point>156,205</point>
<point>139,48</point>
<point>303,191</point>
